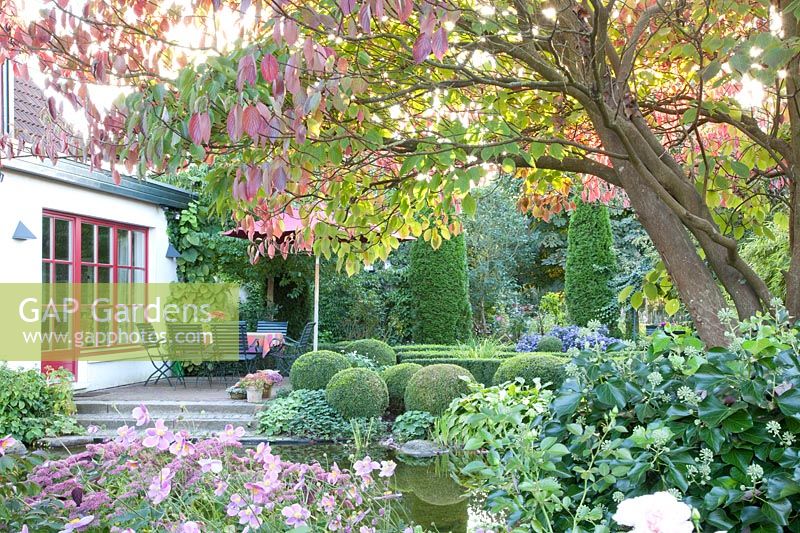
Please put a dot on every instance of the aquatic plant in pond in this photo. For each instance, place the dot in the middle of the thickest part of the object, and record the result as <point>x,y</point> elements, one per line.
<point>163,481</point>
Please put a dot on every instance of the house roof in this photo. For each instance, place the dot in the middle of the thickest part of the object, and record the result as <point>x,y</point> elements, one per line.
<point>30,108</point>
<point>79,174</point>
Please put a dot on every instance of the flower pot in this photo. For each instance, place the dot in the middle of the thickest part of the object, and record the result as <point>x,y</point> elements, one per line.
<point>267,392</point>
<point>237,395</point>
<point>254,395</point>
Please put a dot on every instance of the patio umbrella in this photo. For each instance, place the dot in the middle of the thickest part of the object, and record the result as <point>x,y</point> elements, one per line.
<point>288,225</point>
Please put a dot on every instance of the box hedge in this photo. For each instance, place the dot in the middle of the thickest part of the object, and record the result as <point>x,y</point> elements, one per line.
<point>432,388</point>
<point>548,368</point>
<point>314,370</point>
<point>397,378</point>
<point>378,351</point>
<point>357,393</point>
<point>440,289</point>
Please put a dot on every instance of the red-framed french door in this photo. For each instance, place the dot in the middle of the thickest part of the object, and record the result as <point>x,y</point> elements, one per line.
<point>101,258</point>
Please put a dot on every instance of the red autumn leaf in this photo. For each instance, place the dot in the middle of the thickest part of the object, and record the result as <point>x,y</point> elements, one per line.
<point>290,31</point>
<point>251,121</point>
<point>51,107</point>
<point>440,43</point>
<point>364,16</point>
<point>404,9</point>
<point>234,123</point>
<point>422,48</point>
<point>269,68</point>
<point>247,71</point>
<point>200,128</point>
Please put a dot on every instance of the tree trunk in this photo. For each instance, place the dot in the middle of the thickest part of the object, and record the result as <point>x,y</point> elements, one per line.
<point>791,30</point>
<point>693,280</point>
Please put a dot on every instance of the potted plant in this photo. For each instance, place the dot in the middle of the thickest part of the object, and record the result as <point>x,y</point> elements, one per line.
<point>237,392</point>
<point>259,384</point>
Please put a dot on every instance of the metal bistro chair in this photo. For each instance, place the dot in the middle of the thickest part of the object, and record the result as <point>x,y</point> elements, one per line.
<point>233,336</point>
<point>153,345</point>
<point>292,349</point>
<point>265,326</point>
<point>185,343</point>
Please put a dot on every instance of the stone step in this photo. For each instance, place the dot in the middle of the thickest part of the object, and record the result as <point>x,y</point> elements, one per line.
<point>192,422</point>
<point>161,408</point>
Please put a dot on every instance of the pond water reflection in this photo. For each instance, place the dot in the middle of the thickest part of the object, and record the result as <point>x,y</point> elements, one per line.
<point>431,497</point>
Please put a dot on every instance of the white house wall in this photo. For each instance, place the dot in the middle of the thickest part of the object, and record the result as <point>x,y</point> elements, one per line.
<point>24,197</point>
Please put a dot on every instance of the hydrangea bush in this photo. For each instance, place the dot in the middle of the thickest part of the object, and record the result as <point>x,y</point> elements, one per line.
<point>587,338</point>
<point>159,480</point>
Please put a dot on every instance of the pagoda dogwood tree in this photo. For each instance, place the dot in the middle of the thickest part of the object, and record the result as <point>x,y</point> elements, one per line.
<point>374,118</point>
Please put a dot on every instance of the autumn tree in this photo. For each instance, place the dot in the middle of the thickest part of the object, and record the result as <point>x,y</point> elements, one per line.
<point>376,117</point>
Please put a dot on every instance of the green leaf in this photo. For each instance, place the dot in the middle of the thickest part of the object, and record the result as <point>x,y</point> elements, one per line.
<point>637,300</point>
<point>777,512</point>
<point>741,170</point>
<point>566,404</point>
<point>712,411</point>
<point>610,395</point>
<point>789,403</point>
<point>469,205</point>
<point>672,306</point>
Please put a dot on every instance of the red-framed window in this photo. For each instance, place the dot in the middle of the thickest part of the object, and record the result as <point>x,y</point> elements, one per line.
<point>81,249</point>
<point>103,256</point>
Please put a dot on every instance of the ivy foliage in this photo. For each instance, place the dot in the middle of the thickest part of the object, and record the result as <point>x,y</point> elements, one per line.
<point>591,266</point>
<point>439,285</point>
<point>717,426</point>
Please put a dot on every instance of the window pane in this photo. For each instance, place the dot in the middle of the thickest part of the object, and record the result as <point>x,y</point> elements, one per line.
<point>103,274</point>
<point>45,272</point>
<point>46,237</point>
<point>123,275</point>
<point>138,276</point>
<point>138,248</point>
<point>104,245</point>
<point>63,239</point>
<point>87,243</point>
<point>87,274</point>
<point>63,273</point>
<point>123,247</point>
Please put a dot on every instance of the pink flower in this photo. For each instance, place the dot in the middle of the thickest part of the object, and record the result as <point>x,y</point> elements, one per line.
<point>189,527</point>
<point>125,435</point>
<point>181,447</point>
<point>77,523</point>
<point>235,504</point>
<point>387,468</point>
<point>92,429</point>
<point>24,529</point>
<point>263,451</point>
<point>231,435</point>
<point>158,436</point>
<point>6,442</point>
<point>365,466</point>
<point>655,513</point>
<point>249,516</point>
<point>260,491</point>
<point>141,414</point>
<point>295,515</point>
<point>160,488</point>
<point>210,465</point>
<point>327,503</point>
<point>220,487</point>
<point>335,475</point>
